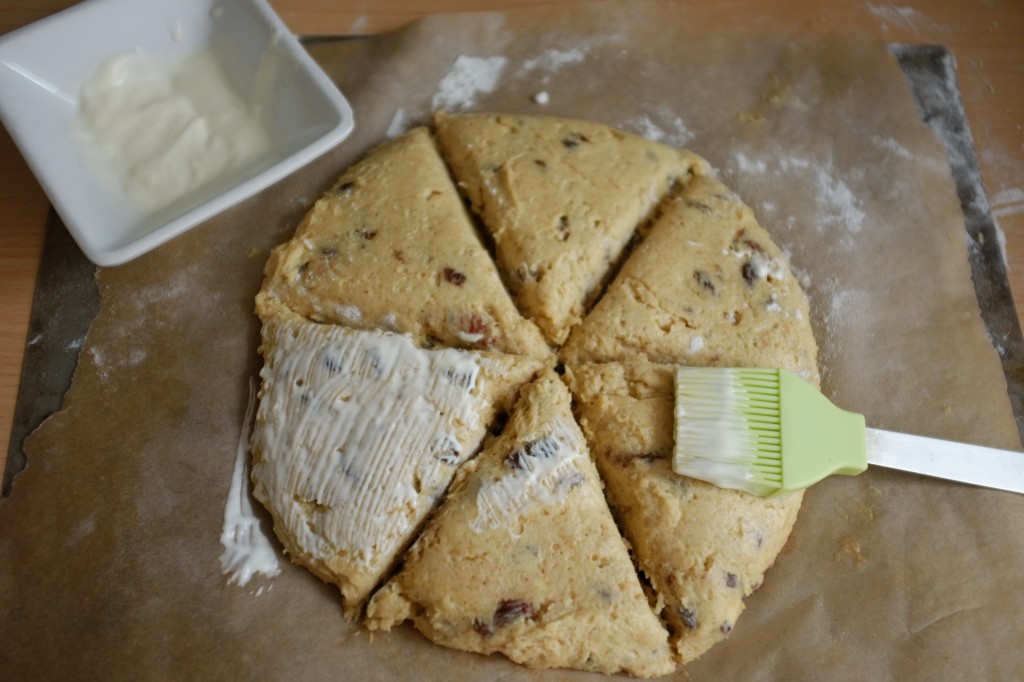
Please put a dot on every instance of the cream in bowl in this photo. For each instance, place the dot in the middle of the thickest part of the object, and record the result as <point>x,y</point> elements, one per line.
<point>142,119</point>
<point>167,129</point>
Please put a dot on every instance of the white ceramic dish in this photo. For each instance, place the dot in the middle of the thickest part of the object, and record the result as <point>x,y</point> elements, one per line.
<point>42,68</point>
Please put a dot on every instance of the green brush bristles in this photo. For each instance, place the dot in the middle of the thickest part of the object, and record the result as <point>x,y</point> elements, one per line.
<point>728,428</point>
<point>763,431</point>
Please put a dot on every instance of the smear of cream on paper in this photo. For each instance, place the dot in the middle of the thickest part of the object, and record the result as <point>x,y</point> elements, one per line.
<point>247,551</point>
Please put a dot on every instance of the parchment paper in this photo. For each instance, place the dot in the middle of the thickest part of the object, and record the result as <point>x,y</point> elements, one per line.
<point>109,544</point>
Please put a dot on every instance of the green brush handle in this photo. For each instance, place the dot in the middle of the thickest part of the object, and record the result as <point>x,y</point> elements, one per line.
<point>812,424</point>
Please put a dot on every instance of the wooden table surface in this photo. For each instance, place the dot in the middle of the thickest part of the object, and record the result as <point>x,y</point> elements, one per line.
<point>985,36</point>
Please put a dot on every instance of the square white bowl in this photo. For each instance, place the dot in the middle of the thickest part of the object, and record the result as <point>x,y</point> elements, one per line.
<point>43,66</point>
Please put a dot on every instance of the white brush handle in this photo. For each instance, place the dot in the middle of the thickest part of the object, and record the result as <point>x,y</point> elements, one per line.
<point>987,467</point>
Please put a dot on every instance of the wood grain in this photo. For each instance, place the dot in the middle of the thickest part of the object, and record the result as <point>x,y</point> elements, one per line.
<point>987,39</point>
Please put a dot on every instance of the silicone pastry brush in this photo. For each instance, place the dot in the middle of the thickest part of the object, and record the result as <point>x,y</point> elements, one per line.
<point>767,431</point>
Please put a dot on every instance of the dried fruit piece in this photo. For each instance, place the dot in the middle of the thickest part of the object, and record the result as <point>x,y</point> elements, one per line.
<point>747,270</point>
<point>573,140</point>
<point>454,276</point>
<point>482,628</point>
<point>628,459</point>
<point>704,280</point>
<point>511,610</point>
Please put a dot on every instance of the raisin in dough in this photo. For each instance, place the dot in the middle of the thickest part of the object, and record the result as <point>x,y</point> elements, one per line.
<point>703,548</point>
<point>358,434</point>
<point>391,246</point>
<point>561,199</point>
<point>523,557</point>
<point>707,286</point>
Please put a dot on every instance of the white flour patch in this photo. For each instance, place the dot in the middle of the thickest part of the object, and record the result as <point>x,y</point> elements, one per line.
<point>848,318</point>
<point>793,163</point>
<point>551,61</point>
<point>647,128</point>
<point>1004,163</point>
<point>893,146</point>
<point>747,165</point>
<point>802,276</point>
<point>98,359</point>
<point>468,77</point>
<point>669,128</point>
<point>399,124</point>
<point>104,362</point>
<point>1001,236</point>
<point>902,17</point>
<point>359,24</point>
<point>835,203</point>
<point>998,344</point>
<point>1007,202</point>
<point>841,207</point>
<point>135,357</point>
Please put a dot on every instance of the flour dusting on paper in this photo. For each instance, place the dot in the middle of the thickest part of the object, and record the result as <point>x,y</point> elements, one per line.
<point>838,205</point>
<point>844,307</point>
<point>665,126</point>
<point>468,77</point>
<point>902,17</point>
<point>1008,202</point>
<point>399,124</point>
<point>835,203</point>
<point>553,60</point>
<point>747,165</point>
<point>892,145</point>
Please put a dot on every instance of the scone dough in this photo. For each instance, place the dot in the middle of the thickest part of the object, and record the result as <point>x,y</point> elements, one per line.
<point>368,411</point>
<point>391,247</point>
<point>357,436</point>
<point>523,557</point>
<point>706,287</point>
<point>702,548</point>
<point>561,199</point>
